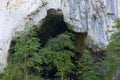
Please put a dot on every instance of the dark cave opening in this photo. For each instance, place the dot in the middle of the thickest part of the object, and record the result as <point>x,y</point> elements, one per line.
<point>53,25</point>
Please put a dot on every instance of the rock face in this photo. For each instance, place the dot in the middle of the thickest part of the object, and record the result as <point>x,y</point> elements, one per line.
<point>93,17</point>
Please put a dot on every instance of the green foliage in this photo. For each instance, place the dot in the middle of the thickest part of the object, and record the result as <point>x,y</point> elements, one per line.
<point>33,77</point>
<point>113,52</point>
<point>57,53</point>
<point>29,56</point>
<point>27,48</point>
<point>86,69</point>
<point>54,61</point>
<point>114,46</point>
<point>25,56</point>
<point>112,59</point>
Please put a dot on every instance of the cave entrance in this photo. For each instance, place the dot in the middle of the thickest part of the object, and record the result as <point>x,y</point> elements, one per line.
<point>52,25</point>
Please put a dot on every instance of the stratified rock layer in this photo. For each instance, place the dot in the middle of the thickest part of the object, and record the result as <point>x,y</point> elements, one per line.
<point>93,17</point>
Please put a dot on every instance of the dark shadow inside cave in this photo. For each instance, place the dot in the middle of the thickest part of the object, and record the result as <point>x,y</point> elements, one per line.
<point>52,25</point>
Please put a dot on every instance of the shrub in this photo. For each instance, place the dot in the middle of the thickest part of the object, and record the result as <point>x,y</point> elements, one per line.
<point>25,56</point>
<point>57,53</point>
<point>112,61</point>
<point>86,69</point>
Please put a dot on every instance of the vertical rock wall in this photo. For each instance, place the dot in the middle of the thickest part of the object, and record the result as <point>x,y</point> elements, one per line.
<point>92,16</point>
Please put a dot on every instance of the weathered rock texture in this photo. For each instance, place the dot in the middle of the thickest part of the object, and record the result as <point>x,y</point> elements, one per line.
<point>93,17</point>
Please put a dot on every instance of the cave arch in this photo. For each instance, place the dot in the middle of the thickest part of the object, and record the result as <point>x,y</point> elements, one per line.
<point>52,25</point>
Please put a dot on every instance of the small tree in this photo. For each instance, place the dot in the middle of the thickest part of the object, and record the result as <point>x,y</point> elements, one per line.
<point>114,46</point>
<point>86,69</point>
<point>57,52</point>
<point>112,61</point>
<point>26,56</point>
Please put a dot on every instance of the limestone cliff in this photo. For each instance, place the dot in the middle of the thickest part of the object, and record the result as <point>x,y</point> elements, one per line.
<point>93,17</point>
